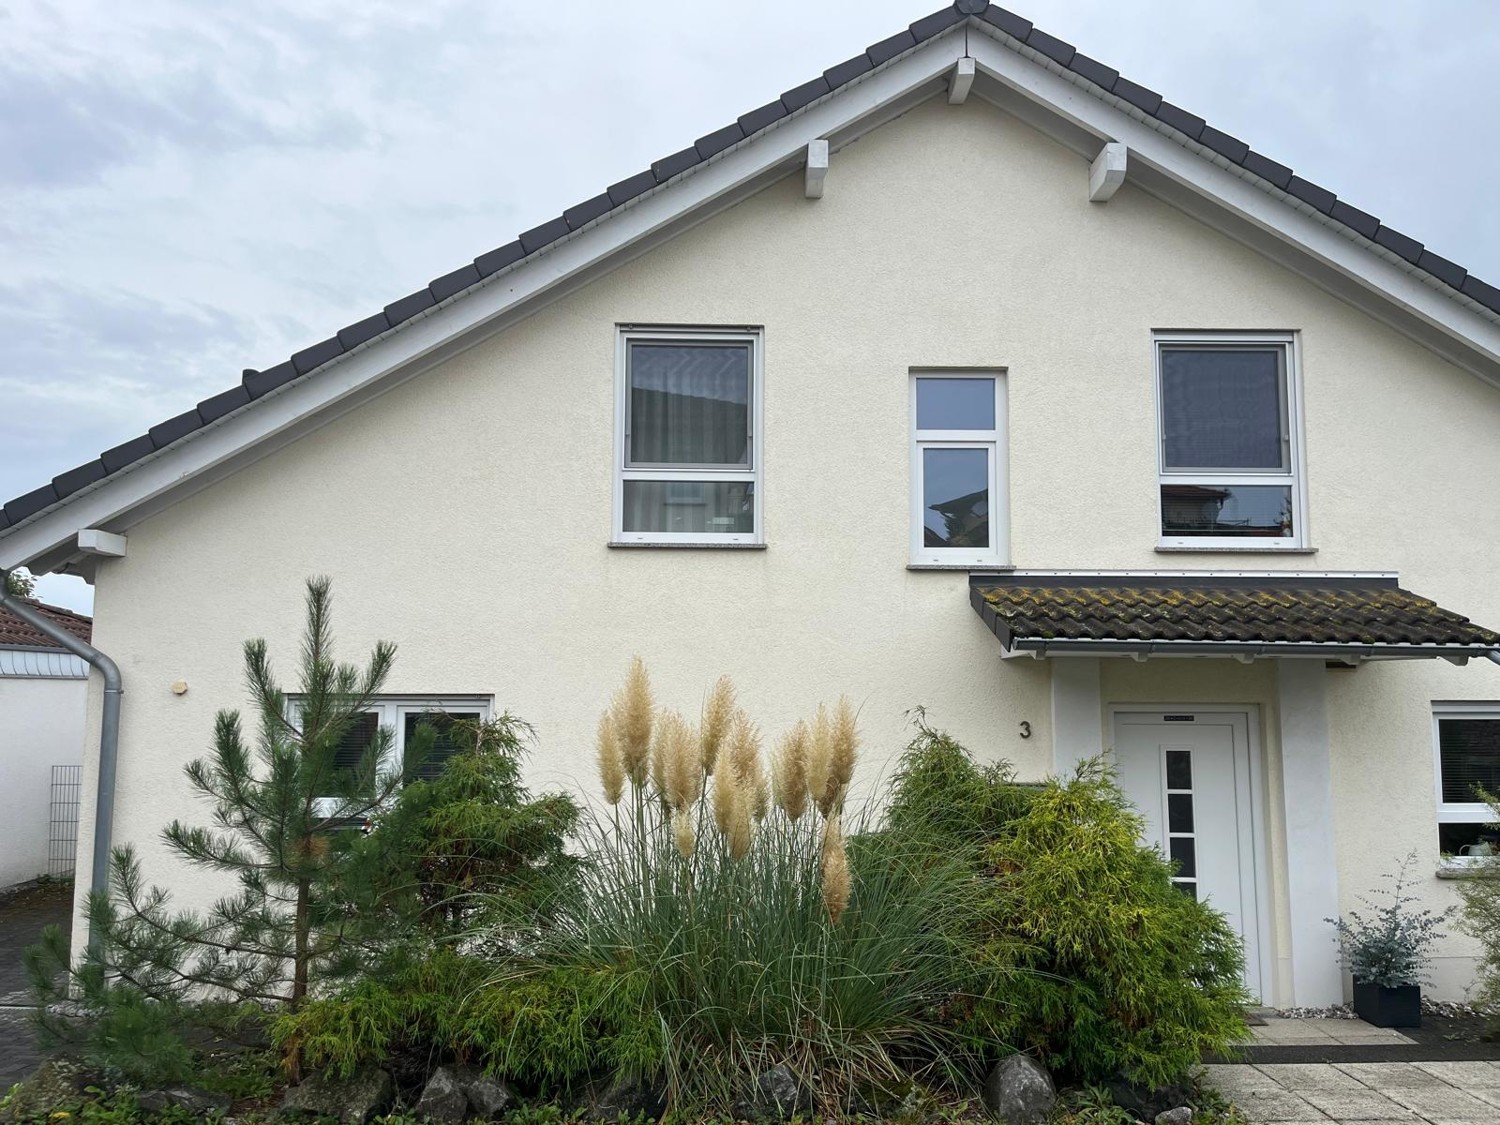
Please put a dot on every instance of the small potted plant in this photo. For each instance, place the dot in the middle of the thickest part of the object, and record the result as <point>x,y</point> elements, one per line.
<point>1386,952</point>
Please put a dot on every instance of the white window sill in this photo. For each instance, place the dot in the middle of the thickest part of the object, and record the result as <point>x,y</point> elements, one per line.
<point>975,568</point>
<point>1467,866</point>
<point>1236,550</point>
<point>656,546</point>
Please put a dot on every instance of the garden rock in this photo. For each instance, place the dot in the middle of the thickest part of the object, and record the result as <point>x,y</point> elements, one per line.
<point>775,1096</point>
<point>352,1100</point>
<point>444,1099</point>
<point>1019,1091</point>
<point>1182,1115</point>
<point>200,1103</point>
<point>54,1082</point>
<point>488,1097</point>
<point>1144,1102</point>
<point>626,1099</point>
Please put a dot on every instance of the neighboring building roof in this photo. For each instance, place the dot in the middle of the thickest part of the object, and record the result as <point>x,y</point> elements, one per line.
<point>1280,613</point>
<point>1010,28</point>
<point>15,633</point>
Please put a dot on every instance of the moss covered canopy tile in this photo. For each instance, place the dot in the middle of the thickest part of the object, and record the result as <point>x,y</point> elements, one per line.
<point>1229,610</point>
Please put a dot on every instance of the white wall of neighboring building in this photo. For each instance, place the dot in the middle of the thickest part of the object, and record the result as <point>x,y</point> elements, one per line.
<point>466,514</point>
<point>42,722</point>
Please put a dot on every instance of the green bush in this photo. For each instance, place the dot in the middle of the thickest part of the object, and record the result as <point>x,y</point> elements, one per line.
<point>1091,959</point>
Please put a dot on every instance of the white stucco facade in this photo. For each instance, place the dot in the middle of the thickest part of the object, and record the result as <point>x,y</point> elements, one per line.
<point>43,708</point>
<point>466,514</point>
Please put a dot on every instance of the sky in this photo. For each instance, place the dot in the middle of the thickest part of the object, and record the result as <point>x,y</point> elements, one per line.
<point>189,189</point>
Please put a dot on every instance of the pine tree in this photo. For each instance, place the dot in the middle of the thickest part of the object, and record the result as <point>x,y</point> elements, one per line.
<point>287,814</point>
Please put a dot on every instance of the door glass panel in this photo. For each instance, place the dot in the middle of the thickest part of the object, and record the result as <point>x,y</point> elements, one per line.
<point>956,497</point>
<point>1252,510</point>
<point>723,507</point>
<point>1184,854</point>
<point>690,404</point>
<point>1179,812</point>
<point>1223,408</point>
<point>955,404</point>
<point>1179,769</point>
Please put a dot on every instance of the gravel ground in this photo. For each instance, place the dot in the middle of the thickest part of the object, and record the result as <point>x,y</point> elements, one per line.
<point>23,916</point>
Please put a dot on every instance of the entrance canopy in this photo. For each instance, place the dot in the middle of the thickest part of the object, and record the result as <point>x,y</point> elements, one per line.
<point>1347,617</point>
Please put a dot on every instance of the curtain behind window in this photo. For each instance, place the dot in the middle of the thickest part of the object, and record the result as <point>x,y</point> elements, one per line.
<point>1222,409</point>
<point>689,404</point>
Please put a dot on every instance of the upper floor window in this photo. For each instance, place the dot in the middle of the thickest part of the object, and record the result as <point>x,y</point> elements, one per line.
<point>1467,743</point>
<point>959,504</point>
<point>1230,471</point>
<point>688,438</point>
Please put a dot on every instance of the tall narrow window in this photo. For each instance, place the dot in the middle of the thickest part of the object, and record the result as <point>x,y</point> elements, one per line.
<point>959,504</point>
<point>688,450</point>
<point>1230,464</point>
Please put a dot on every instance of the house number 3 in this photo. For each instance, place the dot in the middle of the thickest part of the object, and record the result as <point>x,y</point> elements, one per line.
<point>1025,729</point>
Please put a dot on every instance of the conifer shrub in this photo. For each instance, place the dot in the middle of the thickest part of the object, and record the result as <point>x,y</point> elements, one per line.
<point>1088,956</point>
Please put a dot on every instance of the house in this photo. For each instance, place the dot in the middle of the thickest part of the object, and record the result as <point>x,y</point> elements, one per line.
<point>969,374</point>
<point>43,706</point>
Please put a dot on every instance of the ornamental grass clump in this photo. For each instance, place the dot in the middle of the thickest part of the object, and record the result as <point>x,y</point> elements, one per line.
<point>729,917</point>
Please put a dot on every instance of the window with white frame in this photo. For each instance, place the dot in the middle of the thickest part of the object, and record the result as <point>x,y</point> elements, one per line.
<point>1466,742</point>
<point>687,461</point>
<point>959,502</point>
<point>402,717</point>
<point>1230,459</point>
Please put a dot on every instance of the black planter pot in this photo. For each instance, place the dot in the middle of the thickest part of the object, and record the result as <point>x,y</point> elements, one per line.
<point>1388,1007</point>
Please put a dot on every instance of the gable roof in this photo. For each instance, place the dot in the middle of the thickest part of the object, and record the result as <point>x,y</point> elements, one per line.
<point>15,633</point>
<point>1011,30</point>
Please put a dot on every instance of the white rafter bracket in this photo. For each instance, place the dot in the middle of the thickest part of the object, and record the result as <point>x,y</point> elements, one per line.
<point>92,541</point>
<point>1107,172</point>
<point>960,81</point>
<point>817,168</point>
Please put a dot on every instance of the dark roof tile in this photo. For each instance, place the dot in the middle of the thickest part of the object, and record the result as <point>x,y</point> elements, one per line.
<point>1180,119</point>
<point>847,71</point>
<point>1007,21</point>
<point>804,95</point>
<point>679,162</point>
<point>127,453</point>
<point>398,312</point>
<point>259,383</point>
<point>4,520</point>
<point>30,503</point>
<point>452,284</point>
<point>754,121</point>
<point>493,261</point>
<point>1267,169</point>
<point>1137,95</point>
<point>1095,71</point>
<point>1231,148</point>
<point>582,214</point>
<point>544,235</point>
<point>65,484</point>
<point>319,354</point>
<point>165,433</point>
<point>212,409</point>
<point>717,141</point>
<point>1318,198</point>
<point>363,331</point>
<point>887,49</point>
<point>1051,46</point>
<point>1399,244</point>
<point>1481,291</point>
<point>1353,218</point>
<point>15,633</point>
<point>939,21</point>
<point>1449,273</point>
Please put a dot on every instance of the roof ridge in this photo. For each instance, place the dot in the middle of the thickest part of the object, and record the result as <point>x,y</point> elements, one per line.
<point>255,384</point>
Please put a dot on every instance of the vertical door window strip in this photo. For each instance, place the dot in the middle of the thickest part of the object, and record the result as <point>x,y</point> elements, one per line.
<point>1182,836</point>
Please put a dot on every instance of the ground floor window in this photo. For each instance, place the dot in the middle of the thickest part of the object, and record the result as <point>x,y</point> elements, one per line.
<point>1466,738</point>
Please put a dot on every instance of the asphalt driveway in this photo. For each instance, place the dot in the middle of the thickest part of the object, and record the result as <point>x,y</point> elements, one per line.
<point>23,916</point>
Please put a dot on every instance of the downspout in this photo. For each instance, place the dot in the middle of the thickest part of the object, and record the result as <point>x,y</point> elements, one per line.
<point>109,728</point>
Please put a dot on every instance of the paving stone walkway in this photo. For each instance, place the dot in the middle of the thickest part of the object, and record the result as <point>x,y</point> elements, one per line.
<point>1436,1093</point>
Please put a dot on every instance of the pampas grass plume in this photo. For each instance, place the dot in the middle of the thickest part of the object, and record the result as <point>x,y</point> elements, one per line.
<point>819,755</point>
<point>718,717</point>
<point>611,762</point>
<point>633,711</point>
<point>789,770</point>
<point>683,833</point>
<point>836,878</point>
<point>843,748</point>
<point>682,766</point>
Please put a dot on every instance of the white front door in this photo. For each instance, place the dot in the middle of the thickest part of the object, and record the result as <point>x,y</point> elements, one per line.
<point>1189,774</point>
